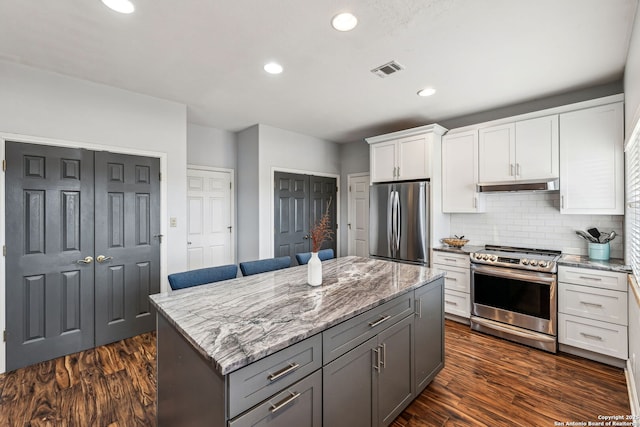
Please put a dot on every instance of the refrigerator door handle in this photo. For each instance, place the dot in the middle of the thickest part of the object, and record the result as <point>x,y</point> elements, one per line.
<point>398,229</point>
<point>390,222</point>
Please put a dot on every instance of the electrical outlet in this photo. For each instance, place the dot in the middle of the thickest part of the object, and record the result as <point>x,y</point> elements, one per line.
<point>173,222</point>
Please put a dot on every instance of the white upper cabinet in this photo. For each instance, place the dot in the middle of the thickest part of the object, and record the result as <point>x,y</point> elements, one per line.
<point>460,172</point>
<point>404,155</point>
<point>592,161</point>
<point>537,148</point>
<point>523,150</point>
<point>497,153</point>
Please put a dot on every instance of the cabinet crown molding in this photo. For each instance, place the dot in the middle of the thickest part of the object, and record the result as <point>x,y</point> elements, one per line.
<point>433,128</point>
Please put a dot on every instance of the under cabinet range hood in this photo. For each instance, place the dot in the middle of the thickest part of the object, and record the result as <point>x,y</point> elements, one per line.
<point>551,184</point>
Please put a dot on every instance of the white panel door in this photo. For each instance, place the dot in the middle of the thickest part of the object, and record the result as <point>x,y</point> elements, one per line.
<point>209,228</point>
<point>359,215</point>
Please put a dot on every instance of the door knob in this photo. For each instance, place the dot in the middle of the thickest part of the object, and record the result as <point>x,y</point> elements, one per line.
<point>86,260</point>
<point>306,236</point>
<point>102,258</point>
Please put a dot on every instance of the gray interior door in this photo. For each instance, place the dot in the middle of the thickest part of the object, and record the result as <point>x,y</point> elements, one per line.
<point>83,249</point>
<point>299,201</point>
<point>291,214</point>
<point>49,228</point>
<point>127,200</point>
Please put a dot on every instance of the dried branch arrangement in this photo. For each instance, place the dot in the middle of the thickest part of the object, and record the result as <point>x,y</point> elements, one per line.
<point>321,231</point>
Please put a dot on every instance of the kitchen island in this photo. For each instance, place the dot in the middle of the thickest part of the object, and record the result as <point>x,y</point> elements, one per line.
<point>271,350</point>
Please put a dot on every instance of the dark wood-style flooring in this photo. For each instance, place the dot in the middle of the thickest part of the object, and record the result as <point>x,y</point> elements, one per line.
<point>486,382</point>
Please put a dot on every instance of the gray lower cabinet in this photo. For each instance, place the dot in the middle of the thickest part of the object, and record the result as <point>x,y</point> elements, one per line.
<point>429,334</point>
<point>297,405</point>
<point>371,384</point>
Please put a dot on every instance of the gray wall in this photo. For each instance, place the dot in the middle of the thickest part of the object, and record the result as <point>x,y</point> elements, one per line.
<point>632,79</point>
<point>207,146</point>
<point>247,201</point>
<point>354,158</point>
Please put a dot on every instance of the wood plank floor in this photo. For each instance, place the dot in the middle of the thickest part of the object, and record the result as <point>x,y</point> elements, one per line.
<point>486,382</point>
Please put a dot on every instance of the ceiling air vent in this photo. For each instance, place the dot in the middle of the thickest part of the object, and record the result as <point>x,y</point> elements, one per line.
<point>387,69</point>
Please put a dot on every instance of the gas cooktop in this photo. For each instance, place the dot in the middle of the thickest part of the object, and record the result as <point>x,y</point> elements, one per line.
<point>544,260</point>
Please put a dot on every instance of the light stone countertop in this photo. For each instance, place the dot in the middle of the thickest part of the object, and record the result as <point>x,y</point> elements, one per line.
<point>239,321</point>
<point>584,261</point>
<point>465,250</point>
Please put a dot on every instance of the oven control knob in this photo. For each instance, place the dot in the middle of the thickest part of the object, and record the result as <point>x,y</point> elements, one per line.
<point>493,258</point>
<point>525,261</point>
<point>542,264</point>
<point>533,262</point>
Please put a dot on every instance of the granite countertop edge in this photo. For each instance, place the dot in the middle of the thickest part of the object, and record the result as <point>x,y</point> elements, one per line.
<point>318,325</point>
<point>583,261</point>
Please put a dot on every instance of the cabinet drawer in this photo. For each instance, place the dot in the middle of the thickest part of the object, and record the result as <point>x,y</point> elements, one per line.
<point>298,405</point>
<point>593,335</point>
<point>347,335</point>
<point>449,259</point>
<point>254,383</point>
<point>593,303</point>
<point>598,278</point>
<point>458,303</point>
<point>456,279</point>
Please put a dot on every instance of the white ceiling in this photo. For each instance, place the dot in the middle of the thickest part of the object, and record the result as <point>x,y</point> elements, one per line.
<point>208,54</point>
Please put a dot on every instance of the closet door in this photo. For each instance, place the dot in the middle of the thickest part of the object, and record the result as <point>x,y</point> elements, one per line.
<point>322,195</point>
<point>291,216</point>
<point>127,244</point>
<point>49,261</point>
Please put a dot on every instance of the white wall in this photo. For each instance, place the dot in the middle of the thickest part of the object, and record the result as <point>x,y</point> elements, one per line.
<point>207,146</point>
<point>533,220</point>
<point>52,107</point>
<point>632,78</point>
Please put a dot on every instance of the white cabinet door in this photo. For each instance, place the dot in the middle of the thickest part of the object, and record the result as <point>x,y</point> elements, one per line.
<point>537,148</point>
<point>497,153</point>
<point>413,158</point>
<point>591,161</point>
<point>383,161</point>
<point>460,172</point>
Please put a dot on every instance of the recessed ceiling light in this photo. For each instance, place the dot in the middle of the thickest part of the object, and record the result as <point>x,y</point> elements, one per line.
<point>122,6</point>
<point>273,68</point>
<point>344,21</point>
<point>426,91</point>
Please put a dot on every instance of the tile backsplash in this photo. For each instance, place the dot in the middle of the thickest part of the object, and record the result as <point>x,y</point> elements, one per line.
<point>533,220</point>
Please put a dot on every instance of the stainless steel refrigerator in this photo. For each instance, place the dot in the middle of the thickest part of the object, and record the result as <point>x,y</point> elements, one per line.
<point>399,221</point>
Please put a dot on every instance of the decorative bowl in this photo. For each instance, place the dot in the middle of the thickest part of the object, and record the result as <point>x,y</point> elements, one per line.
<point>456,243</point>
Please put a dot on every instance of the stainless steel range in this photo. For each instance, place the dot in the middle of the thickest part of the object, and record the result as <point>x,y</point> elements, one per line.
<point>514,294</point>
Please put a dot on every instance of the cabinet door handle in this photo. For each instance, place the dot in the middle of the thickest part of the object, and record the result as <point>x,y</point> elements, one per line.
<point>510,169</point>
<point>475,202</point>
<point>284,402</point>
<point>383,356</point>
<point>377,322</point>
<point>284,371</point>
<point>376,361</point>
<point>595,337</point>
<point>517,169</point>
<point>419,306</point>
<point>597,279</point>
<point>562,202</point>
<point>594,304</point>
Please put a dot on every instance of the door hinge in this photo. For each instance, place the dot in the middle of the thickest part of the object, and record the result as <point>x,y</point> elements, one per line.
<point>4,250</point>
<point>337,189</point>
<point>230,187</point>
<point>349,189</point>
<point>159,176</point>
<point>4,165</point>
<point>4,336</point>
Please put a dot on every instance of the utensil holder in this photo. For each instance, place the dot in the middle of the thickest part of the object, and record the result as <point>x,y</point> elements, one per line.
<point>599,251</point>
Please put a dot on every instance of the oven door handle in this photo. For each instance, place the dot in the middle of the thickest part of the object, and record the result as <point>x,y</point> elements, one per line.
<point>512,273</point>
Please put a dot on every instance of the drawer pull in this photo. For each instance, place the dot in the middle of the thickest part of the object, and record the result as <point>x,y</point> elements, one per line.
<point>284,371</point>
<point>594,304</point>
<point>594,337</point>
<point>451,259</point>
<point>453,279</point>
<point>597,279</point>
<point>284,402</point>
<point>377,322</point>
<point>451,302</point>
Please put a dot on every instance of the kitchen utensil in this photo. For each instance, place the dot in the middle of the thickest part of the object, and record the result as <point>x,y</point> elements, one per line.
<point>610,237</point>
<point>595,233</point>
<point>586,236</point>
